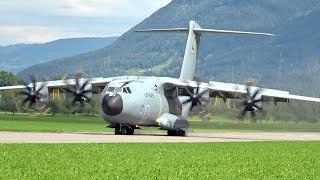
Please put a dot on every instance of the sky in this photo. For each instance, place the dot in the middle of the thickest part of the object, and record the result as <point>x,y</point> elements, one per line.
<point>39,21</point>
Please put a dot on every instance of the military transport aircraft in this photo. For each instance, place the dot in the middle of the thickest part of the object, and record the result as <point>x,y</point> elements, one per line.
<point>129,102</point>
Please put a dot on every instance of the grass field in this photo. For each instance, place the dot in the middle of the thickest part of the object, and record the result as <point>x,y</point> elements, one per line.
<point>253,160</point>
<point>245,160</point>
<point>60,123</point>
<point>63,123</point>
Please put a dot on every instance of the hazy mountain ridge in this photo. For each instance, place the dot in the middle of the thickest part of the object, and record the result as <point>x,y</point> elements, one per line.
<point>278,62</point>
<point>11,48</point>
<point>20,56</point>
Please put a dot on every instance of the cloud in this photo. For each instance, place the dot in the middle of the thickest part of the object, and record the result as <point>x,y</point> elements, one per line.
<point>106,8</point>
<point>85,8</point>
<point>38,34</point>
<point>39,21</point>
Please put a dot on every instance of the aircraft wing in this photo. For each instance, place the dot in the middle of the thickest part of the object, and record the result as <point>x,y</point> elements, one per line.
<point>97,84</point>
<point>12,87</point>
<point>237,91</point>
<point>94,82</point>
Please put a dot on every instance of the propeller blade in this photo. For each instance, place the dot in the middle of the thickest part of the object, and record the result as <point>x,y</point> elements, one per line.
<point>202,93</point>
<point>28,88</point>
<point>78,91</point>
<point>41,87</point>
<point>77,81</point>
<point>74,101</point>
<point>34,86</point>
<point>85,96</point>
<point>25,100</point>
<point>84,84</point>
<point>256,93</point>
<point>30,104</point>
<point>189,92</point>
<point>33,80</point>
<point>250,103</point>
<point>260,108</point>
<point>87,91</point>
<point>198,87</point>
<point>257,100</point>
<point>31,92</point>
<point>187,101</point>
<point>248,91</point>
<point>192,107</point>
<point>195,96</point>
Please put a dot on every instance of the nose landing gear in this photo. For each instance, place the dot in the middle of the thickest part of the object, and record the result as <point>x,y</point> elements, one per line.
<point>121,129</point>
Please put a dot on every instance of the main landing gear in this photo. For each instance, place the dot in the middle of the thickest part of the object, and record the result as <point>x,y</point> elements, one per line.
<point>124,129</point>
<point>176,133</point>
<point>121,129</point>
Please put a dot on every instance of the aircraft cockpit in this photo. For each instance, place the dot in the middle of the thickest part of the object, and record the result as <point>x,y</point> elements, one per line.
<point>119,90</point>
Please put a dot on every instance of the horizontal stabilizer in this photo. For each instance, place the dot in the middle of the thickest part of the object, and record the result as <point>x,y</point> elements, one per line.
<point>174,30</point>
<point>194,32</point>
<point>201,31</point>
<point>216,31</point>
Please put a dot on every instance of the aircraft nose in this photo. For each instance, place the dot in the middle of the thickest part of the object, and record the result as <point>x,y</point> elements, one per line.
<point>112,105</point>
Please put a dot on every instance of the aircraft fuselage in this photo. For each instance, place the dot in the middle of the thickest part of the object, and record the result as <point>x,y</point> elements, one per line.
<point>138,102</point>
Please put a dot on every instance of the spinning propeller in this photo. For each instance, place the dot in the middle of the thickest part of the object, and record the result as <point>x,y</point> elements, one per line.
<point>195,97</point>
<point>33,94</point>
<point>79,92</point>
<point>251,103</point>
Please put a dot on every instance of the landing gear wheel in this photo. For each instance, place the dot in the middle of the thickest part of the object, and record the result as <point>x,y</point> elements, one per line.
<point>176,133</point>
<point>123,130</point>
<point>129,131</point>
<point>117,129</point>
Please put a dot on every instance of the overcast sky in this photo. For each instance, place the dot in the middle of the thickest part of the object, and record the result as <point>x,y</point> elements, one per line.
<point>37,21</point>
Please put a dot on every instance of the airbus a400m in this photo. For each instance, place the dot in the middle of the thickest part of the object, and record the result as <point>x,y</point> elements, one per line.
<point>129,102</point>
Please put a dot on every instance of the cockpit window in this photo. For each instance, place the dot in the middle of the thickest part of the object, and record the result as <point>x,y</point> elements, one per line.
<point>114,89</point>
<point>128,89</point>
<point>125,90</point>
<point>110,89</point>
<point>118,89</point>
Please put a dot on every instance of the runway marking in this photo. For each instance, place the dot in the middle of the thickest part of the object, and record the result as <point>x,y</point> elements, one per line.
<point>100,137</point>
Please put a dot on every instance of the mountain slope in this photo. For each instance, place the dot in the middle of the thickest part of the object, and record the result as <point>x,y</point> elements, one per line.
<point>275,62</point>
<point>18,57</point>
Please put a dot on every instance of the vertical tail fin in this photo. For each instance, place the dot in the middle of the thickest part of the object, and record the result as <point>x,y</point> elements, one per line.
<point>190,54</point>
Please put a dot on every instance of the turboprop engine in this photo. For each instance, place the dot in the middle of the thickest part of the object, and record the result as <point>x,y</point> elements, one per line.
<point>172,122</point>
<point>35,93</point>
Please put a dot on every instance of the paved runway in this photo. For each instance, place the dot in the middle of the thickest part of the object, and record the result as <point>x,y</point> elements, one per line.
<point>45,137</point>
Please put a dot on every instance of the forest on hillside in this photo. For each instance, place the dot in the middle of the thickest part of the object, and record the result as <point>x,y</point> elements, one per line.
<point>289,61</point>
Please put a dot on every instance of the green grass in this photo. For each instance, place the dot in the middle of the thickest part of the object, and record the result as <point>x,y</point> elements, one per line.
<point>157,69</point>
<point>253,160</point>
<point>238,126</point>
<point>133,72</point>
<point>60,123</point>
<point>63,123</point>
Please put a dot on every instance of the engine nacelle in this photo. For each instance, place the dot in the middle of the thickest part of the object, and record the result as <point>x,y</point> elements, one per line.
<point>172,122</point>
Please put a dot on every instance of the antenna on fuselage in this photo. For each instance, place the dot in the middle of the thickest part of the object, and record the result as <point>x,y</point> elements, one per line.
<point>194,33</point>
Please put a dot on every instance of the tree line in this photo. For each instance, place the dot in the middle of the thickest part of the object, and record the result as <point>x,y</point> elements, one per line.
<point>297,111</point>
